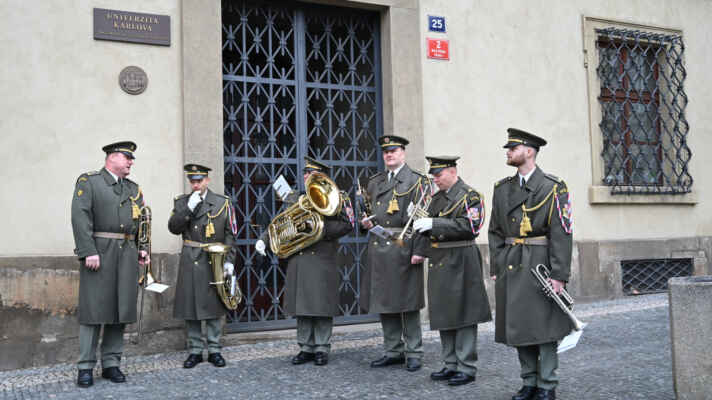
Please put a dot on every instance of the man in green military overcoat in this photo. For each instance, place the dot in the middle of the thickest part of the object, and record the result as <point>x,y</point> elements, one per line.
<point>391,285</point>
<point>313,278</point>
<point>456,289</point>
<point>201,217</point>
<point>530,224</point>
<point>105,215</point>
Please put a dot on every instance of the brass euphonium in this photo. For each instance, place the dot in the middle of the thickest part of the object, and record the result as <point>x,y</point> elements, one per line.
<point>228,290</point>
<point>302,224</point>
<point>563,300</point>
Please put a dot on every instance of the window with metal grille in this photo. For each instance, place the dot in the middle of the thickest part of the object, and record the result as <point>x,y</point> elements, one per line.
<point>643,123</point>
<point>651,276</point>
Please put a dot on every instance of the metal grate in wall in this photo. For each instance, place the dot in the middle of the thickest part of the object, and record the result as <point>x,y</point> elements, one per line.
<point>651,276</point>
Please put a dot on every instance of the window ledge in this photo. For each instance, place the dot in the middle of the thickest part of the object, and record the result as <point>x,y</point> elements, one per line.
<point>602,195</point>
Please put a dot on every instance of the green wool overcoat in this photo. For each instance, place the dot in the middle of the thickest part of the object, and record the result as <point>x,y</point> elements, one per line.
<point>101,204</point>
<point>390,283</point>
<point>524,315</point>
<point>456,288</point>
<point>196,298</point>
<point>314,273</point>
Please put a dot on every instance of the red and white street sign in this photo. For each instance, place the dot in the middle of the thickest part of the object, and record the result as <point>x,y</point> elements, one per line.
<point>438,49</point>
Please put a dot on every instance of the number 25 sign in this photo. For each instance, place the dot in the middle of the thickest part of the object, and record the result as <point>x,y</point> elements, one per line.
<point>438,49</point>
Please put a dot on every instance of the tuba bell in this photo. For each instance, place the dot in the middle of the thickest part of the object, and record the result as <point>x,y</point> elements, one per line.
<point>228,290</point>
<point>302,223</point>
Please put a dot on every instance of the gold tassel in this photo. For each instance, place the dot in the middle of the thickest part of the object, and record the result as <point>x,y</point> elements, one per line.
<point>209,229</point>
<point>393,206</point>
<point>135,211</point>
<point>525,226</point>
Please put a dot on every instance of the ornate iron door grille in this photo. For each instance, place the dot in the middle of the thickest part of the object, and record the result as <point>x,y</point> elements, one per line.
<point>651,276</point>
<point>298,80</point>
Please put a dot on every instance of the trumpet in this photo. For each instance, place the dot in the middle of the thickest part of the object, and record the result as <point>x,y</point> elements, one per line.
<point>420,211</point>
<point>563,300</point>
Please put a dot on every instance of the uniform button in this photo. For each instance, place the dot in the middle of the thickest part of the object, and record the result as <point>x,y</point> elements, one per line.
<point>388,243</point>
<point>388,222</point>
<point>301,253</point>
<point>514,219</point>
<point>378,203</point>
<point>121,226</point>
<point>441,264</point>
<point>442,237</point>
<point>196,263</point>
<point>196,227</point>
<point>119,246</point>
<point>312,252</point>
<point>510,267</point>
<point>375,243</point>
<point>433,238</point>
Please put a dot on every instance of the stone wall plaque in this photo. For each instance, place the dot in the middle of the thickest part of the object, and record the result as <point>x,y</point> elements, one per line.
<point>126,26</point>
<point>133,80</point>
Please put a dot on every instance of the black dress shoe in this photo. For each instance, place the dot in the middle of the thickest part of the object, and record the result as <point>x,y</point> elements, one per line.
<point>113,374</point>
<point>386,361</point>
<point>216,359</point>
<point>193,360</point>
<point>543,394</point>
<point>302,357</point>
<point>412,364</point>
<point>525,393</point>
<point>85,378</point>
<point>443,374</point>
<point>460,378</point>
<point>321,358</point>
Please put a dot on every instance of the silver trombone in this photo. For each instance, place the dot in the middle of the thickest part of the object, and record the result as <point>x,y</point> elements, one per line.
<point>563,300</point>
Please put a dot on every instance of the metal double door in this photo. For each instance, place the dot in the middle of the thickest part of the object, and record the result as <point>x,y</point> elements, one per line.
<point>298,80</point>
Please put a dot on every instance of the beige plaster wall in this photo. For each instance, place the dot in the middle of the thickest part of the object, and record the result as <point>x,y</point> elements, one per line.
<point>61,103</point>
<point>520,64</point>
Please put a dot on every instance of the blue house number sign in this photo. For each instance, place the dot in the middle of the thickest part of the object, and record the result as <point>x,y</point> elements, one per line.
<point>436,24</point>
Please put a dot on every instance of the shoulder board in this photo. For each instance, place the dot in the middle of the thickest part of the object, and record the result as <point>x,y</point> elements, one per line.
<point>130,181</point>
<point>222,196</point>
<point>376,175</point>
<point>180,196</point>
<point>501,181</point>
<point>554,178</point>
<point>419,173</point>
<point>83,177</point>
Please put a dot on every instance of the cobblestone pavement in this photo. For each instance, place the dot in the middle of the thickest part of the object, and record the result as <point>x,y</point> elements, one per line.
<point>623,354</point>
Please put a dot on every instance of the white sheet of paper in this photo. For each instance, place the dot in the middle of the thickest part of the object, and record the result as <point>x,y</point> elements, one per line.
<point>281,187</point>
<point>157,287</point>
<point>570,341</point>
<point>381,232</point>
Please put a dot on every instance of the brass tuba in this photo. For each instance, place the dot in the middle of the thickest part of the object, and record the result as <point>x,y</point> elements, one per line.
<point>228,290</point>
<point>302,223</point>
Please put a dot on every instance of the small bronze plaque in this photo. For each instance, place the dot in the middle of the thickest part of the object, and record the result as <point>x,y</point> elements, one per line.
<point>126,26</point>
<point>133,80</point>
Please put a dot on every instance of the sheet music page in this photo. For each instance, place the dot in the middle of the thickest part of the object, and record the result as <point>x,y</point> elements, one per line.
<point>381,232</point>
<point>570,341</point>
<point>281,187</point>
<point>157,287</point>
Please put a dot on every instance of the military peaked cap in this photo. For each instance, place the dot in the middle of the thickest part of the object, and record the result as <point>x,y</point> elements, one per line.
<point>127,148</point>
<point>517,137</point>
<point>196,171</point>
<point>311,165</point>
<point>389,141</point>
<point>439,163</point>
